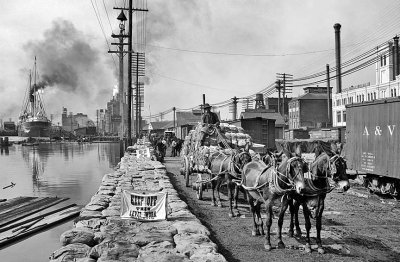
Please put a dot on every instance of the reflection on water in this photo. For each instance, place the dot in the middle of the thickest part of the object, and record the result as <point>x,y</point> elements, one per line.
<point>69,170</point>
<point>56,169</point>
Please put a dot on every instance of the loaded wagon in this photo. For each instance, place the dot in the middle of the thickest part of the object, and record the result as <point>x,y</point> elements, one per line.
<point>373,143</point>
<point>195,158</point>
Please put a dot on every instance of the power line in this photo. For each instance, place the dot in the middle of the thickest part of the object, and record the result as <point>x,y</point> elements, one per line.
<point>108,18</point>
<point>102,30</point>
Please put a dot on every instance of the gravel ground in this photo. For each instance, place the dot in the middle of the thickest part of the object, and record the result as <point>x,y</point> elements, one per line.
<point>356,227</point>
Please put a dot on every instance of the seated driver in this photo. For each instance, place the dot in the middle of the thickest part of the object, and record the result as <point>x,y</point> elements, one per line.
<point>208,118</point>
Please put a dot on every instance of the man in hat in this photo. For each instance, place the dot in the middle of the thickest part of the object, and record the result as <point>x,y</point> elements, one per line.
<point>208,120</point>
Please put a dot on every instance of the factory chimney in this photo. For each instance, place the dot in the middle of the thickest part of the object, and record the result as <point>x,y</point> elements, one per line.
<point>338,62</point>
<point>395,57</point>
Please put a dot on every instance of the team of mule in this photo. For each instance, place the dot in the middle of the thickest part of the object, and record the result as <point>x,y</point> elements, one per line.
<point>278,176</point>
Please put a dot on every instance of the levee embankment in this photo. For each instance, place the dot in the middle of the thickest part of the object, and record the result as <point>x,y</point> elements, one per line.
<point>100,234</point>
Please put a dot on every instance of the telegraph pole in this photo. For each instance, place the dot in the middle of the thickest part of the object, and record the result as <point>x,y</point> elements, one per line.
<point>286,85</point>
<point>278,86</point>
<point>174,110</point>
<point>121,98</point>
<point>328,83</point>
<point>130,51</point>
<point>233,109</point>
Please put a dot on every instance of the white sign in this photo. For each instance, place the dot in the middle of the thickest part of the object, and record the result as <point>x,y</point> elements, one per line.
<point>144,206</point>
<point>308,157</point>
<point>143,152</point>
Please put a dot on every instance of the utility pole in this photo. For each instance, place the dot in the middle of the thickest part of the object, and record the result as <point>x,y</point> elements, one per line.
<point>287,86</point>
<point>279,87</point>
<point>233,108</point>
<point>204,101</point>
<point>130,10</point>
<point>328,83</point>
<point>121,98</point>
<point>174,110</point>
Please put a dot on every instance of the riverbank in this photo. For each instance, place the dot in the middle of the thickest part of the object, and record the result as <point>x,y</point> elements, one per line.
<point>99,234</point>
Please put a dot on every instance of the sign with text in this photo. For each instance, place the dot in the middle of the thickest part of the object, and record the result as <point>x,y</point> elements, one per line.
<point>144,206</point>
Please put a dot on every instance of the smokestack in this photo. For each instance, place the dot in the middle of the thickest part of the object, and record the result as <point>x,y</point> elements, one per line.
<point>338,62</point>
<point>396,56</point>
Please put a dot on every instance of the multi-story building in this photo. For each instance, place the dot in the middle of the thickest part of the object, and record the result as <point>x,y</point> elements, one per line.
<point>71,122</point>
<point>387,84</point>
<point>309,110</point>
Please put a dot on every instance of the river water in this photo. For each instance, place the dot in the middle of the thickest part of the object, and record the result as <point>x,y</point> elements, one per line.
<point>69,170</point>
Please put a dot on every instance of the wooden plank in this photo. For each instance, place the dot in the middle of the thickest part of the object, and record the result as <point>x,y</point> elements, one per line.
<point>5,206</point>
<point>3,229</point>
<point>10,237</point>
<point>25,211</point>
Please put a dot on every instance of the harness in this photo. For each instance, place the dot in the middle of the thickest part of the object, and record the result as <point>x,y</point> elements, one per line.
<point>274,179</point>
<point>331,170</point>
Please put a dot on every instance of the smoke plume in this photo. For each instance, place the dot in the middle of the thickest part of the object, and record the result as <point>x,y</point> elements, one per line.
<point>67,62</point>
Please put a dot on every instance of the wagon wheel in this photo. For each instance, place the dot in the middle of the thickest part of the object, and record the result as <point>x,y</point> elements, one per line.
<point>184,165</point>
<point>200,188</point>
<point>187,172</point>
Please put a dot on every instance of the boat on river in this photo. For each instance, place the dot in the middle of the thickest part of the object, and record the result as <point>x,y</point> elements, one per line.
<point>33,121</point>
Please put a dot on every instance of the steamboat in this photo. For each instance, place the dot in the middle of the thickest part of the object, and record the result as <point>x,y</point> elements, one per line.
<point>33,121</point>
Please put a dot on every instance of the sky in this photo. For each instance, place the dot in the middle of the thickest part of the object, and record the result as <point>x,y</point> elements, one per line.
<point>219,48</point>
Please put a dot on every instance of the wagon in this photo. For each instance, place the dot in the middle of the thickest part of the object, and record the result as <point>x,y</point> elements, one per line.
<point>194,159</point>
<point>203,182</point>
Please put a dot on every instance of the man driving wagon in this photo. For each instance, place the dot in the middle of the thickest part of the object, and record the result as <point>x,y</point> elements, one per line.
<point>209,121</point>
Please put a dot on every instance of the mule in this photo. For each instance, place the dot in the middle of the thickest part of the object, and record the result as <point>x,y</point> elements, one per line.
<point>264,184</point>
<point>323,170</point>
<point>226,169</point>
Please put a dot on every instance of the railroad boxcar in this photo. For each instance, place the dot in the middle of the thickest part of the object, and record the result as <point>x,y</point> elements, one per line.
<point>373,143</point>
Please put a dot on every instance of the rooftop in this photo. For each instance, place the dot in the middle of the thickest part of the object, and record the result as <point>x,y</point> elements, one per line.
<point>263,113</point>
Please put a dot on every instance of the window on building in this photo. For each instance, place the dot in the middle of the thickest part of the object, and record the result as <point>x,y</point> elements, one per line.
<point>362,98</point>
<point>368,97</point>
<point>339,116</point>
<point>344,116</point>
<point>374,95</point>
<point>394,92</point>
<point>338,102</point>
<point>383,60</point>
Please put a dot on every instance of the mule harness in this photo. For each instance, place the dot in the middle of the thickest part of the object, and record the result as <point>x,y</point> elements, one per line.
<point>329,174</point>
<point>276,177</point>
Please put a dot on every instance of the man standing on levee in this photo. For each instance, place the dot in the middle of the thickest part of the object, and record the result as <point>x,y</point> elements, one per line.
<point>209,121</point>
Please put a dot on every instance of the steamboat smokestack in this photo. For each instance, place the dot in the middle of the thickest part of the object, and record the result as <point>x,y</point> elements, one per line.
<point>396,57</point>
<point>338,62</point>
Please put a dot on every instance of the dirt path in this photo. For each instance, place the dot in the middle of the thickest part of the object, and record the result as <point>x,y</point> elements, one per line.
<point>354,228</point>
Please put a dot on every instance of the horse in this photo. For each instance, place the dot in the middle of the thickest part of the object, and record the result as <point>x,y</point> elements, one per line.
<point>227,168</point>
<point>323,169</point>
<point>265,183</point>
<point>178,146</point>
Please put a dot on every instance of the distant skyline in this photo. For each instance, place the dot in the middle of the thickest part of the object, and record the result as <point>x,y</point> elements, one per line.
<point>219,48</point>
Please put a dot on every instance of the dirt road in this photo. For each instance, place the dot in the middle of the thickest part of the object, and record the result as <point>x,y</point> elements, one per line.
<point>354,228</point>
